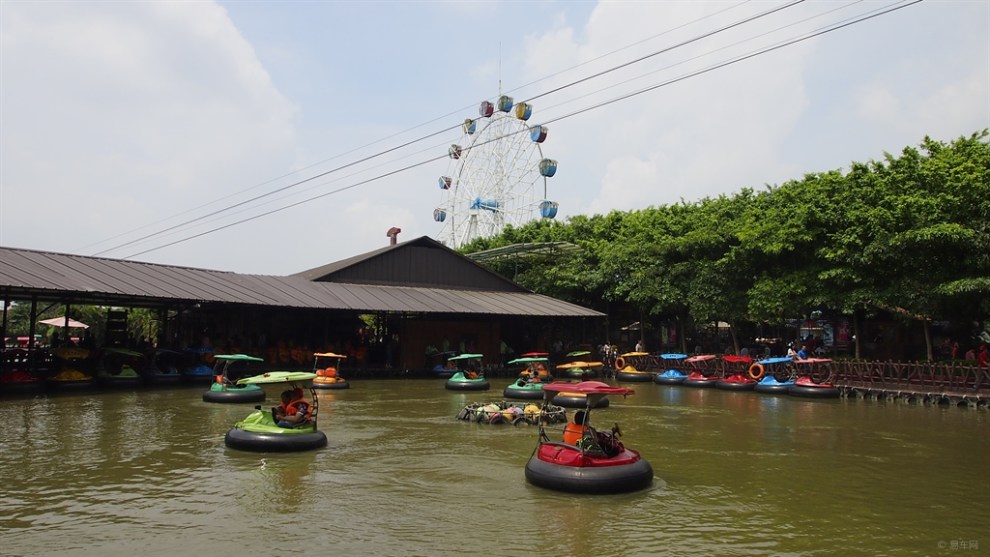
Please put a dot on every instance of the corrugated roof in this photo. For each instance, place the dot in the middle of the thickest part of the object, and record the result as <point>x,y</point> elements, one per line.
<point>56,277</point>
<point>422,261</point>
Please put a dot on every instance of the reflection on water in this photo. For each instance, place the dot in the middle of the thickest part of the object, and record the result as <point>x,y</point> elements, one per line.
<point>737,473</point>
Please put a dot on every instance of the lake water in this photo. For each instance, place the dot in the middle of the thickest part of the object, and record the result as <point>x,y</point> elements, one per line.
<point>737,473</point>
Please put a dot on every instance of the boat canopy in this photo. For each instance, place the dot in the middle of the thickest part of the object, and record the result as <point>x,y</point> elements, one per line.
<point>527,360</point>
<point>627,354</point>
<point>586,387</point>
<point>813,361</point>
<point>673,356</point>
<point>277,377</point>
<point>777,360</point>
<point>465,357</point>
<point>732,359</point>
<point>700,358</point>
<point>237,358</point>
<point>578,353</point>
<point>573,365</point>
<point>329,355</point>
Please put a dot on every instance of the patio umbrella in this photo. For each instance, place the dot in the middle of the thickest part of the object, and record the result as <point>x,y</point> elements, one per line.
<point>61,322</point>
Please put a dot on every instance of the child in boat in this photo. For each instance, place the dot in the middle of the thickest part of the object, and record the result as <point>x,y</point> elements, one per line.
<point>294,410</point>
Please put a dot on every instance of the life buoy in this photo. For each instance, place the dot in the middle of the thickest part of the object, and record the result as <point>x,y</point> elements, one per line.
<point>620,363</point>
<point>756,372</point>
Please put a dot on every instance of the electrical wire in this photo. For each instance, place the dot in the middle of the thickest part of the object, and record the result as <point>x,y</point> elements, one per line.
<point>834,27</point>
<point>217,212</point>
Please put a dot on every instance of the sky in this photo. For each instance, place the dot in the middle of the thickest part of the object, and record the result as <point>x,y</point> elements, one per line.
<point>274,137</point>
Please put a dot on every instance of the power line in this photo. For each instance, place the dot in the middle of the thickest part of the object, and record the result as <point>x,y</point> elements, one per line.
<point>822,31</point>
<point>387,151</point>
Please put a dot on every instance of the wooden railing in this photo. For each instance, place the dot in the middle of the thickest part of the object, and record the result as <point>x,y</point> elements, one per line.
<point>947,378</point>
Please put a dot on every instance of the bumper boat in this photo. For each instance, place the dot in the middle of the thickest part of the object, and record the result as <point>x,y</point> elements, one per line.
<point>529,385</point>
<point>598,463</point>
<point>443,368</point>
<point>199,365</point>
<point>226,387</point>
<point>71,365</point>
<point>260,432</point>
<point>328,377</point>
<point>736,379</point>
<point>631,367</point>
<point>577,399</point>
<point>119,367</point>
<point>700,378</point>
<point>579,369</point>
<point>163,369</point>
<point>814,380</point>
<point>470,377</point>
<point>16,375</point>
<point>773,375</point>
<point>675,376</point>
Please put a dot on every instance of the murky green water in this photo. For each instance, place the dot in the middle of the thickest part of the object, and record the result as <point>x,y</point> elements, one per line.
<point>147,472</point>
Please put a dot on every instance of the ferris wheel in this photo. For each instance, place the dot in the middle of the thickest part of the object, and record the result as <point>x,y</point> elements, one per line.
<point>497,175</point>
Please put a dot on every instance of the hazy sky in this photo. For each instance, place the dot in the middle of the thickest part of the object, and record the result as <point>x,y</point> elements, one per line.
<point>121,120</point>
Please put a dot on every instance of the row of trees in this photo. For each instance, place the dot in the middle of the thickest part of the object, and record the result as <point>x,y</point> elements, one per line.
<point>908,235</point>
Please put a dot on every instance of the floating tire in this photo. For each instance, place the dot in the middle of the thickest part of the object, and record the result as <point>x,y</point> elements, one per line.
<point>735,385</point>
<point>243,440</point>
<point>633,376</point>
<point>335,385</point>
<point>772,389</point>
<point>475,385</point>
<point>235,395</point>
<point>590,479</point>
<point>568,400</point>
<point>808,391</point>
<point>519,393</point>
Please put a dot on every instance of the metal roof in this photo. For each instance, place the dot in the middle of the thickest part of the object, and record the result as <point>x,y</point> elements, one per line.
<point>61,277</point>
<point>419,262</point>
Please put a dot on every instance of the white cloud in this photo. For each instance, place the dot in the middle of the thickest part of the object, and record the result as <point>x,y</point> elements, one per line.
<point>127,113</point>
<point>119,115</point>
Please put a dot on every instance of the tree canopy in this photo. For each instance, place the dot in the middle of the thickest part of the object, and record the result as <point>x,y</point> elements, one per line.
<point>909,234</point>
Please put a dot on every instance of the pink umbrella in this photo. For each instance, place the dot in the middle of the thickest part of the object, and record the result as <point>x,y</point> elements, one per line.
<point>61,322</point>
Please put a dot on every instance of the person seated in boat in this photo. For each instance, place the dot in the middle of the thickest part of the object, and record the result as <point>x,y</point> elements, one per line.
<point>294,410</point>
<point>540,371</point>
<point>581,434</point>
<point>577,429</point>
<point>470,374</point>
